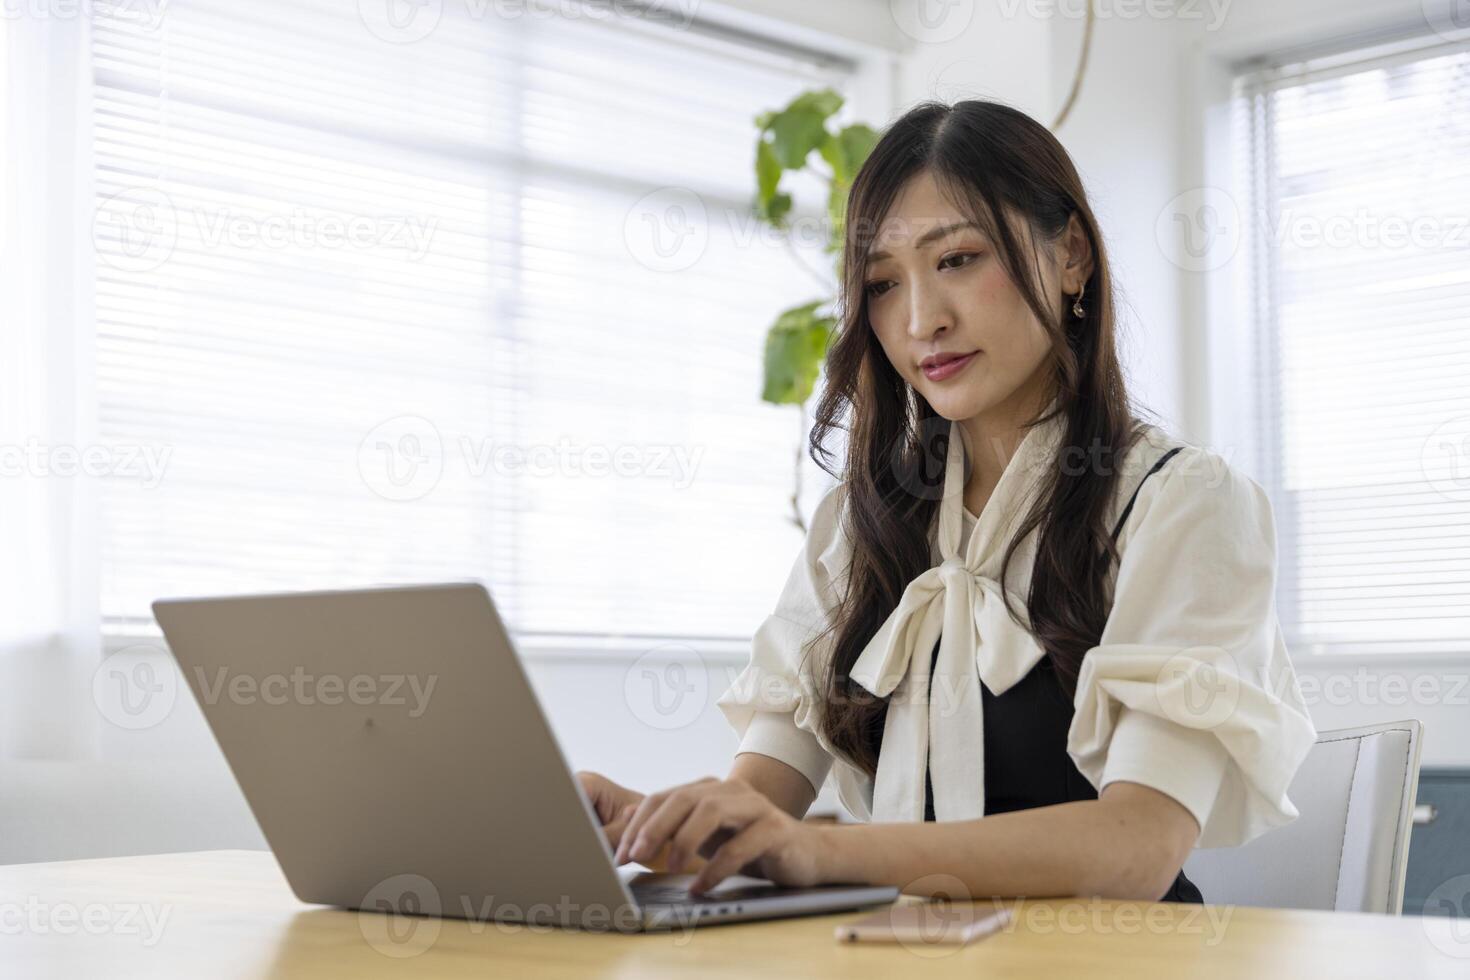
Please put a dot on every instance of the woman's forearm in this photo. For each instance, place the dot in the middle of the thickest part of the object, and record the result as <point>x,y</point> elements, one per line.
<point>1089,847</point>
<point>782,784</point>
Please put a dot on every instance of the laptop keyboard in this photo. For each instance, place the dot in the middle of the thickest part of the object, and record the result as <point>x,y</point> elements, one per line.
<point>657,894</point>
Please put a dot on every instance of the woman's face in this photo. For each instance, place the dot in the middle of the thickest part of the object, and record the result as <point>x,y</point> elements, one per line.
<point>935,288</point>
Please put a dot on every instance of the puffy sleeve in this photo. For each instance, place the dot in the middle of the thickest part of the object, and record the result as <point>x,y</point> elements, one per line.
<point>1190,689</point>
<point>773,704</point>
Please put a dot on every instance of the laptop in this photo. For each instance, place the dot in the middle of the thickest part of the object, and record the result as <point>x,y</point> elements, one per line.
<point>396,758</point>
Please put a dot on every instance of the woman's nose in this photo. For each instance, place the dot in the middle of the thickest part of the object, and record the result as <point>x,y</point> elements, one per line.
<point>928,314</point>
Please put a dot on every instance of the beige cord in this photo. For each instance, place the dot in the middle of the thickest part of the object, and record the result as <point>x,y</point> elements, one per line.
<point>1081,69</point>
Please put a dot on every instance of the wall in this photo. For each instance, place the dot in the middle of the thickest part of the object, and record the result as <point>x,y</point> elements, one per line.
<point>1133,134</point>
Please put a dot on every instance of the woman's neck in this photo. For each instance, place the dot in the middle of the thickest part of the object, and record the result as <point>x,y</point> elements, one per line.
<point>994,436</point>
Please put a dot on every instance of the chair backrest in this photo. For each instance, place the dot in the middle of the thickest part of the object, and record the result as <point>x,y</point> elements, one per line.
<point>1348,849</point>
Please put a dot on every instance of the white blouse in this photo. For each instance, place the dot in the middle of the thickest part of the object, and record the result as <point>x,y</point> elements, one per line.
<point>1189,690</point>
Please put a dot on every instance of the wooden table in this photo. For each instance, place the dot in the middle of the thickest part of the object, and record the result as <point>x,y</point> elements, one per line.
<point>229,914</point>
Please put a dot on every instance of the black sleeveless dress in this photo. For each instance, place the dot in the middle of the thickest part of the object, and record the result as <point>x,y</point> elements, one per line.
<point>1026,760</point>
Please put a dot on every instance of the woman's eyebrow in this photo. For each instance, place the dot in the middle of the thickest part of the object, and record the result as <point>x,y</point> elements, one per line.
<point>930,236</point>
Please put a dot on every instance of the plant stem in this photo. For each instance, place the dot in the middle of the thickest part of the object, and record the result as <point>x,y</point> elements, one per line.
<point>822,280</point>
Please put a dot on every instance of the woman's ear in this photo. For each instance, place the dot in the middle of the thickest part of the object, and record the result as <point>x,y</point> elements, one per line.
<point>1074,255</point>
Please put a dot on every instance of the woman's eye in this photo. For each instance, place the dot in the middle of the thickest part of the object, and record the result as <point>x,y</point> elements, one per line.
<point>878,287</point>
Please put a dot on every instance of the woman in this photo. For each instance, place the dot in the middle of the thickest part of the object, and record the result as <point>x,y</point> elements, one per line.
<point>1124,697</point>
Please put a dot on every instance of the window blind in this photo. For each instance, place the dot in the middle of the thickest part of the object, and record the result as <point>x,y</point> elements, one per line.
<point>1355,169</point>
<point>478,301</point>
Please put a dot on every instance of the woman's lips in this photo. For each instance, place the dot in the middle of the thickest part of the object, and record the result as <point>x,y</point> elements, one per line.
<point>949,368</point>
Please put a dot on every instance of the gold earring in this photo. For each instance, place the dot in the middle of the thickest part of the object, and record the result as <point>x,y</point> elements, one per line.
<point>1077,309</point>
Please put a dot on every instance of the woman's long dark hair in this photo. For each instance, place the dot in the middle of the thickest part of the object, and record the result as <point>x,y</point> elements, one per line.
<point>989,159</point>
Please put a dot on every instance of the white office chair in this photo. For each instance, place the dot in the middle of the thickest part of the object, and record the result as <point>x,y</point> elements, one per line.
<point>1349,848</point>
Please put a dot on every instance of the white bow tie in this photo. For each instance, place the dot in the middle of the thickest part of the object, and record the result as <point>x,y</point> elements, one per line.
<point>959,603</point>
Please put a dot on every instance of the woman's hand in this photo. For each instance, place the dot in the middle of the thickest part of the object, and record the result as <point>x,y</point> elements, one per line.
<point>730,823</point>
<point>614,804</point>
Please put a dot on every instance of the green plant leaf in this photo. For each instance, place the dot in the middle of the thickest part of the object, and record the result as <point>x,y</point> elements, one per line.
<point>836,216</point>
<point>800,128</point>
<point>857,142</point>
<point>767,170</point>
<point>823,101</point>
<point>776,210</point>
<point>845,151</point>
<point>796,345</point>
<point>770,206</point>
<point>831,151</point>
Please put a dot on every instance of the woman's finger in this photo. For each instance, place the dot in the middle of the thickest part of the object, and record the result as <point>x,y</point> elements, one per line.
<point>654,832</point>
<point>645,810</point>
<point>595,787</point>
<point>714,817</point>
<point>733,855</point>
<point>708,815</point>
<point>614,829</point>
<point>645,806</point>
